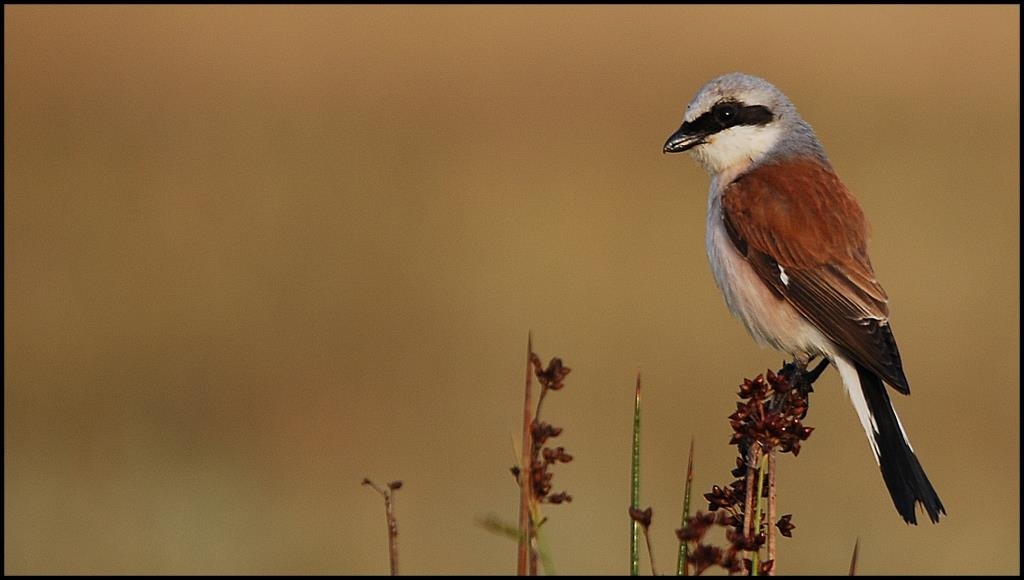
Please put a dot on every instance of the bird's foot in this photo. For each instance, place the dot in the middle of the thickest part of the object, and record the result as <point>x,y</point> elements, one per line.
<point>798,375</point>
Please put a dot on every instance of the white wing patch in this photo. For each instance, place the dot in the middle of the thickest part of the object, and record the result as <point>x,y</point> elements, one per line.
<point>783,276</point>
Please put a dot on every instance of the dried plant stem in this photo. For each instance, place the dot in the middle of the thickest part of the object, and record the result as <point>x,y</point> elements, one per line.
<point>748,502</point>
<point>771,510</point>
<point>534,544</point>
<point>853,559</point>
<point>767,420</point>
<point>389,512</point>
<point>533,474</point>
<point>761,468</point>
<point>684,546</point>
<point>634,500</point>
<point>650,551</point>
<point>526,564</point>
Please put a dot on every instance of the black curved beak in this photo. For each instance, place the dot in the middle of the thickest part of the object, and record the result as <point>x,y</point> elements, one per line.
<point>683,139</point>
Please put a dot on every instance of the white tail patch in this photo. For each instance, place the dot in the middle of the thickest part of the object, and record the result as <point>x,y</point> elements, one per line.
<point>851,382</point>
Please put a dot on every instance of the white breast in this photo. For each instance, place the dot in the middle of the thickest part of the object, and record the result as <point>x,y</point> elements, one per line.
<point>770,320</point>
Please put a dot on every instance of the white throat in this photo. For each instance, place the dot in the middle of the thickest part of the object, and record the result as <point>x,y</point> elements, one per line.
<point>735,148</point>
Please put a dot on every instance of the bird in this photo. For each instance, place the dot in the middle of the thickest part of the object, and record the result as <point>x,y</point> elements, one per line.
<point>787,243</point>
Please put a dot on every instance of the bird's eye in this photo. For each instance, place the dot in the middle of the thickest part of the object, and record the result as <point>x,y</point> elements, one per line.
<point>726,113</point>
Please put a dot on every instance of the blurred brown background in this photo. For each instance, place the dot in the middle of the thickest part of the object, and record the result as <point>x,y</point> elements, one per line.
<point>255,254</point>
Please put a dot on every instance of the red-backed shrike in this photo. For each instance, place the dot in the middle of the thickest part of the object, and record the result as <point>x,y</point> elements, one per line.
<point>788,248</point>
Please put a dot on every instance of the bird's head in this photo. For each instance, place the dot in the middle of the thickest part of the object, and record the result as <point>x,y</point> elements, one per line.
<point>738,120</point>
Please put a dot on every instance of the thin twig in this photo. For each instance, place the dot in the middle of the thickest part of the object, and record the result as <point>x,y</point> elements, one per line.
<point>642,518</point>
<point>526,470</point>
<point>755,567</point>
<point>771,510</point>
<point>650,551</point>
<point>853,560</point>
<point>389,512</point>
<point>748,502</point>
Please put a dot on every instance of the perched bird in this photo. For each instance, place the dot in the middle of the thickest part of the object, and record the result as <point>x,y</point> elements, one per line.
<point>787,243</point>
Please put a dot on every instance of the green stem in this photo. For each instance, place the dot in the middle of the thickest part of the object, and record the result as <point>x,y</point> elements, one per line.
<point>683,546</point>
<point>634,536</point>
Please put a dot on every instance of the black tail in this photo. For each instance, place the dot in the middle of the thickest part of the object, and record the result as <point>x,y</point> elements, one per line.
<point>901,470</point>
